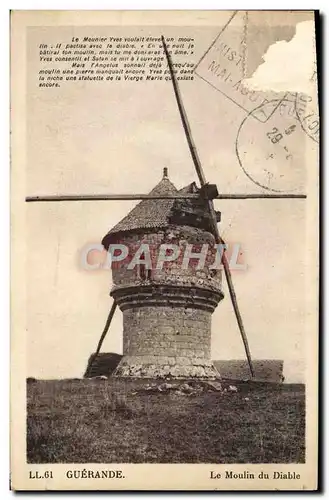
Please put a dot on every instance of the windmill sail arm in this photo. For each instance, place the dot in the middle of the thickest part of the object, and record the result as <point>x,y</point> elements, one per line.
<point>184,120</point>
<point>123,197</point>
<point>210,204</point>
<point>237,310</point>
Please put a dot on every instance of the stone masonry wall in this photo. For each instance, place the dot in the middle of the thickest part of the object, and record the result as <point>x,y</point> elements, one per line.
<point>172,271</point>
<point>167,312</point>
<point>165,331</point>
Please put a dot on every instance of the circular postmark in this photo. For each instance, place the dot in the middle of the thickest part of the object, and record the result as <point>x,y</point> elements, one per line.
<point>272,152</point>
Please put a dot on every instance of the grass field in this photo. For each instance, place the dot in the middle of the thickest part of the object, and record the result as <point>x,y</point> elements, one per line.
<point>114,421</point>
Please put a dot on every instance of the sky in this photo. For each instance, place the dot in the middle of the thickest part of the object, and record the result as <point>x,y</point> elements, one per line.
<point>117,138</point>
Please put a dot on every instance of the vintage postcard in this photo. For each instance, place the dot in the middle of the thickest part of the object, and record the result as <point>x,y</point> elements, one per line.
<point>164,214</point>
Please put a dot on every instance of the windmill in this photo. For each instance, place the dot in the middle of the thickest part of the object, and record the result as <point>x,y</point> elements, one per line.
<point>207,193</point>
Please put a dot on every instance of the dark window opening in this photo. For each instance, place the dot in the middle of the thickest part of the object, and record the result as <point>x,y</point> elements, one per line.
<point>142,272</point>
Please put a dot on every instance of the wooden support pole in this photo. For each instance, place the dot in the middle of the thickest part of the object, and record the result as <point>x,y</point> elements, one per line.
<point>101,340</point>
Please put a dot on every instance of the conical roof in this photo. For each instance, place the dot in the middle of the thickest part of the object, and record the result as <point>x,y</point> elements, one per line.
<point>158,214</point>
<point>148,213</point>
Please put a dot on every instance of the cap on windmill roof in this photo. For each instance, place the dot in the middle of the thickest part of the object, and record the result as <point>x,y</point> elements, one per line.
<point>148,213</point>
<point>154,214</point>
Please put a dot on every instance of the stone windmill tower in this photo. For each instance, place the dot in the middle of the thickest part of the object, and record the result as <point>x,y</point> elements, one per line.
<point>167,309</point>
<point>166,305</point>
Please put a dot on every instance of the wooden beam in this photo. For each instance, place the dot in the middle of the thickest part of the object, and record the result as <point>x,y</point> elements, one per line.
<point>104,197</point>
<point>123,197</point>
<point>261,196</point>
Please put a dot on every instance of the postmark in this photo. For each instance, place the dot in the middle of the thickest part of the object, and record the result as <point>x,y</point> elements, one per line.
<point>308,115</point>
<point>271,154</point>
<point>224,67</point>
